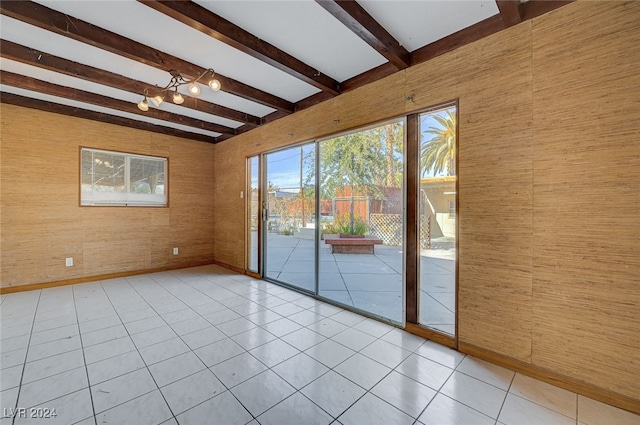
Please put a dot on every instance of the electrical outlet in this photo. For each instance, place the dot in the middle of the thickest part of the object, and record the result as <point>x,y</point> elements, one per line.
<point>68,261</point>
<point>175,251</point>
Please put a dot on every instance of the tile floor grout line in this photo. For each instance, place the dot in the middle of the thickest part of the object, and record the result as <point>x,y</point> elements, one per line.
<point>245,351</point>
<point>218,301</point>
<point>332,369</point>
<point>508,391</point>
<point>546,407</point>
<point>57,339</point>
<point>50,329</point>
<point>287,359</point>
<point>252,291</point>
<point>141,357</point>
<point>541,405</point>
<point>52,355</point>
<point>208,368</point>
<point>84,359</point>
<point>177,297</point>
<point>337,418</point>
<point>196,289</point>
<point>427,406</point>
<point>466,405</point>
<point>26,354</point>
<point>270,368</point>
<point>439,391</point>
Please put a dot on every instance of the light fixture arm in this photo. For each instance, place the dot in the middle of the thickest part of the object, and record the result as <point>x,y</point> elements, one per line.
<point>178,79</point>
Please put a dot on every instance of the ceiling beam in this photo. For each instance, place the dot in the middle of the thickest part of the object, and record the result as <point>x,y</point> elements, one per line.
<point>510,12</point>
<point>43,105</point>
<point>305,103</point>
<point>68,26</point>
<point>354,17</point>
<point>29,56</point>
<point>458,39</point>
<point>215,26</point>
<point>352,83</point>
<point>369,76</point>
<point>535,8</point>
<point>494,24</point>
<point>29,83</point>
<point>272,117</point>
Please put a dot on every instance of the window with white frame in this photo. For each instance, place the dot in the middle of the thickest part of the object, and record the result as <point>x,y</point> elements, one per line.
<point>122,179</point>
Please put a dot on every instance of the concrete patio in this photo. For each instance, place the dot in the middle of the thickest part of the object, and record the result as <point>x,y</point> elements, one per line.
<point>368,282</point>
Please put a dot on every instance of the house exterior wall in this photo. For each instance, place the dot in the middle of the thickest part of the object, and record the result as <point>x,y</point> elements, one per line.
<point>41,222</point>
<point>548,128</point>
<point>439,192</point>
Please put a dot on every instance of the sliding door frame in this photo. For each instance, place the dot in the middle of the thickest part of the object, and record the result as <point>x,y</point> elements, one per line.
<point>265,199</point>
<point>413,324</point>
<point>411,258</point>
<point>248,193</point>
<point>354,309</point>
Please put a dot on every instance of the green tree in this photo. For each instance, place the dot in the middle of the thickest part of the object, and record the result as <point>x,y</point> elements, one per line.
<point>352,160</point>
<point>364,161</point>
<point>342,164</point>
<point>439,153</point>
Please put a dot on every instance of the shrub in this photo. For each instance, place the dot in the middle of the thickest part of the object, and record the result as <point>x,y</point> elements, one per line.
<point>342,224</point>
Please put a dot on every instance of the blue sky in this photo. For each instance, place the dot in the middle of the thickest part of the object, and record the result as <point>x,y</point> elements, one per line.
<point>284,166</point>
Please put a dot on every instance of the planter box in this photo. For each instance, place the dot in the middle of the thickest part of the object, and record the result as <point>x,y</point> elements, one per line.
<point>350,245</point>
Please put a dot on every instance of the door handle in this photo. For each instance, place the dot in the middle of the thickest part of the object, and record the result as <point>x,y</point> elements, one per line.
<point>265,214</point>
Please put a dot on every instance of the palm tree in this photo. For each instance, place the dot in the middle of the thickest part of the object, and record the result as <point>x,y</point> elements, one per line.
<point>439,153</point>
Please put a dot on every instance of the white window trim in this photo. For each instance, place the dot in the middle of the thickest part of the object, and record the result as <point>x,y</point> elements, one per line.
<point>126,198</point>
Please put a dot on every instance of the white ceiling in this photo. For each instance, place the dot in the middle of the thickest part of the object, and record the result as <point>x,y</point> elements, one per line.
<point>304,30</point>
<point>417,23</point>
<point>300,28</point>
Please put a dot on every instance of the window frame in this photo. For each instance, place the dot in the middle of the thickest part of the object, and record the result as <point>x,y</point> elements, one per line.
<point>126,201</point>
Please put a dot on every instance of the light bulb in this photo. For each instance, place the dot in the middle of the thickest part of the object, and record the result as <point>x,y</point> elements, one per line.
<point>143,105</point>
<point>177,98</point>
<point>194,89</point>
<point>214,85</point>
<point>157,100</point>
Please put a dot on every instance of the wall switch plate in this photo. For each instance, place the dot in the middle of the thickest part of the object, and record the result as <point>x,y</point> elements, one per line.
<point>68,261</point>
<point>175,251</point>
<point>241,194</point>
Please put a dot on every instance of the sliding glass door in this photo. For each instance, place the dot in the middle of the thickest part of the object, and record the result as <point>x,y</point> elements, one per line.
<point>253,213</point>
<point>333,219</point>
<point>345,241</point>
<point>288,204</point>
<point>361,188</point>
<point>437,219</point>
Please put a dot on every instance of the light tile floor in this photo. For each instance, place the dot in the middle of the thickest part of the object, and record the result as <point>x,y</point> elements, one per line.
<point>206,346</point>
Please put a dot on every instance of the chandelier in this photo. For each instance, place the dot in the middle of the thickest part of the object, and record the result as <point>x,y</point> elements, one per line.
<point>177,80</point>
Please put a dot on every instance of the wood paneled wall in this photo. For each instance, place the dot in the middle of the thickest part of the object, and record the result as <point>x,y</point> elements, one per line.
<point>586,211</point>
<point>41,220</point>
<point>549,186</point>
